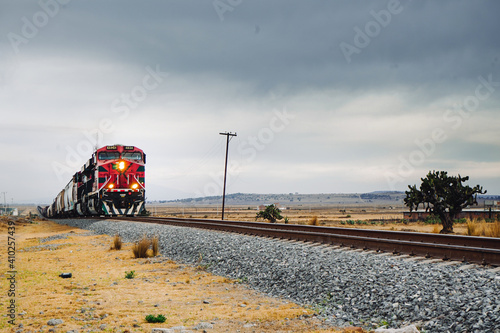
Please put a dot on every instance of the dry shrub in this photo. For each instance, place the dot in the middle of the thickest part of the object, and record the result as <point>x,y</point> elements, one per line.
<point>496,229</point>
<point>155,246</point>
<point>483,228</point>
<point>313,220</point>
<point>471,227</point>
<point>493,230</point>
<point>117,243</point>
<point>140,249</point>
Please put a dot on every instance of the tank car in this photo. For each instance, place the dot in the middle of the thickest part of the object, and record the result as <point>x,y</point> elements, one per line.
<point>111,183</point>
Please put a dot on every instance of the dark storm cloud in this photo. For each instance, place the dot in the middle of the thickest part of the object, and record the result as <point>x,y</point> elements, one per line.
<point>291,45</point>
<point>295,44</point>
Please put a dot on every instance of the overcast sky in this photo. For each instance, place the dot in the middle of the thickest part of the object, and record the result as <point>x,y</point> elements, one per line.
<point>325,96</point>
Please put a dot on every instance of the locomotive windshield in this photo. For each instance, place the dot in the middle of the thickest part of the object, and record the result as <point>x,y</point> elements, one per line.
<point>132,156</point>
<point>109,155</point>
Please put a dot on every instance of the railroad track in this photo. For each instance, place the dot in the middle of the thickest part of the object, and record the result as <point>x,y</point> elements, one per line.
<point>480,250</point>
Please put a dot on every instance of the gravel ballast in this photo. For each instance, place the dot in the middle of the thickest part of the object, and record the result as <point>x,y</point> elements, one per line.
<point>346,287</point>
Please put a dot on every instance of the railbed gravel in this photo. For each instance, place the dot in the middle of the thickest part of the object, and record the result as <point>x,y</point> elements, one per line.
<point>345,287</point>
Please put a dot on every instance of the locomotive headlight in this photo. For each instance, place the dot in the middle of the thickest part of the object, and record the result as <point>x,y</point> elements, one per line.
<point>134,186</point>
<point>110,186</point>
<point>121,165</point>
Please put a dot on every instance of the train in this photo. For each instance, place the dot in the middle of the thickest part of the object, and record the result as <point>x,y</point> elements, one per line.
<point>110,183</point>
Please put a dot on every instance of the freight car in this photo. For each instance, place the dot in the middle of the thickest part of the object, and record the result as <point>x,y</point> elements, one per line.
<point>110,183</point>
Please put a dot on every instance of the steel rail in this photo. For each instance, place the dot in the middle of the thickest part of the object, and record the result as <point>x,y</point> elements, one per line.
<point>481,250</point>
<point>484,242</point>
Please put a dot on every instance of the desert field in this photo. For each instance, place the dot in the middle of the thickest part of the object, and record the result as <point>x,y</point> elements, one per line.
<point>364,217</point>
<point>100,297</point>
<point>382,216</point>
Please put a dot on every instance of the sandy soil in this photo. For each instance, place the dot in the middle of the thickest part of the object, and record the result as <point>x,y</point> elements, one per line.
<point>99,298</point>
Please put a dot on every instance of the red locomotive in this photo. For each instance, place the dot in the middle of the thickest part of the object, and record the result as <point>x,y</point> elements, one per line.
<point>110,183</point>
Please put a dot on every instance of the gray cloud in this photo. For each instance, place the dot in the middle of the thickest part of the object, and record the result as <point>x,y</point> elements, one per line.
<point>354,122</point>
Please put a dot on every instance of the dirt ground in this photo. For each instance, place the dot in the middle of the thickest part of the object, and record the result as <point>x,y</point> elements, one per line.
<point>98,296</point>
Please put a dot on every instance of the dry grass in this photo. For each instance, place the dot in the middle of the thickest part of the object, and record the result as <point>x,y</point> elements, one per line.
<point>155,246</point>
<point>471,228</point>
<point>482,228</point>
<point>140,249</point>
<point>436,228</point>
<point>330,215</point>
<point>495,229</point>
<point>313,220</point>
<point>117,243</point>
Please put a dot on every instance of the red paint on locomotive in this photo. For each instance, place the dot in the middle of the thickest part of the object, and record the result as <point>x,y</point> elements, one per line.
<point>112,182</point>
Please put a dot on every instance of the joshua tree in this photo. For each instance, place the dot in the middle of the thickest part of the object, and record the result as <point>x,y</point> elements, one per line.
<point>271,213</point>
<point>444,196</point>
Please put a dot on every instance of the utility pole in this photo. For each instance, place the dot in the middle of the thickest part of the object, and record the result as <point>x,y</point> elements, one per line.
<point>227,134</point>
<point>96,141</point>
<point>4,204</point>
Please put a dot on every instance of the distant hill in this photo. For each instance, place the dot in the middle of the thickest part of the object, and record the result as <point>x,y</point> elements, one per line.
<point>488,197</point>
<point>379,198</point>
